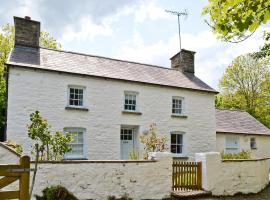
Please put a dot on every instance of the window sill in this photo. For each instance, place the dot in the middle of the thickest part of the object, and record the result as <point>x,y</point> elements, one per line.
<point>131,112</point>
<point>175,155</point>
<point>76,108</point>
<point>179,116</point>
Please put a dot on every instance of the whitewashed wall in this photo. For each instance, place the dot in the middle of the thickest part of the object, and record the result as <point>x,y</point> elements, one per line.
<point>30,90</point>
<point>231,177</point>
<point>263,144</point>
<point>8,155</point>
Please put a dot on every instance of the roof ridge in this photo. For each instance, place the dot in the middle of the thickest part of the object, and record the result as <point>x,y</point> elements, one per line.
<point>116,59</point>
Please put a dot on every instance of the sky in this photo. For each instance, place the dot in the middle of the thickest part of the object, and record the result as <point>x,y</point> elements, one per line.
<point>135,30</point>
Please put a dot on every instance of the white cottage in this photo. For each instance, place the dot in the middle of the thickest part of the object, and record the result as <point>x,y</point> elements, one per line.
<point>107,102</point>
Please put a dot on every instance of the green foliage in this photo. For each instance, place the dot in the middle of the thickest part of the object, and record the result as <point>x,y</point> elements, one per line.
<point>233,20</point>
<point>134,154</point>
<point>58,143</point>
<point>245,85</point>
<point>7,33</point>
<point>125,197</point>
<point>265,49</point>
<point>56,193</point>
<point>153,143</point>
<point>241,155</point>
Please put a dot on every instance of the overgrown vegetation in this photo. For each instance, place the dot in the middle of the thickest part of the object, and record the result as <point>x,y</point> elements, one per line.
<point>153,143</point>
<point>134,154</point>
<point>56,193</point>
<point>17,147</point>
<point>245,85</point>
<point>241,155</point>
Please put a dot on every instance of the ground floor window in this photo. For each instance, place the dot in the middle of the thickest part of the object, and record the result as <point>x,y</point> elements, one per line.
<point>177,143</point>
<point>77,145</point>
<point>232,144</point>
<point>253,144</point>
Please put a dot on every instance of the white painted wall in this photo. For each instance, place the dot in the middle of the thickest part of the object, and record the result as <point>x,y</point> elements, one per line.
<point>8,156</point>
<point>30,90</point>
<point>231,177</point>
<point>263,144</point>
<point>100,179</point>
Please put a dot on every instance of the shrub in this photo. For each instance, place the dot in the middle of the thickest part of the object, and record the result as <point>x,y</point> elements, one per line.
<point>153,143</point>
<point>56,193</point>
<point>241,155</point>
<point>125,197</point>
<point>134,154</point>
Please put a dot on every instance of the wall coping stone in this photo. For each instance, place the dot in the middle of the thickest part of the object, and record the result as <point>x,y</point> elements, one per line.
<point>243,160</point>
<point>94,161</point>
<point>10,149</point>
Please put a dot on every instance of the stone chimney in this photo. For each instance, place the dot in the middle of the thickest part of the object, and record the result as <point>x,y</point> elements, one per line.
<point>186,64</point>
<point>27,32</point>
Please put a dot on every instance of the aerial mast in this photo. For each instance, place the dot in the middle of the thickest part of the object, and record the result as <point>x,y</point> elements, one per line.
<point>178,14</point>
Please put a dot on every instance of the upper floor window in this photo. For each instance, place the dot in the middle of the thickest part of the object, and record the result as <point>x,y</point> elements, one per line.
<point>177,143</point>
<point>177,105</point>
<point>77,144</point>
<point>76,96</point>
<point>131,101</point>
<point>253,144</point>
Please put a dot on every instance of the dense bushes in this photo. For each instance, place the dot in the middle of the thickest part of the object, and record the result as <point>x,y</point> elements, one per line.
<point>241,155</point>
<point>56,193</point>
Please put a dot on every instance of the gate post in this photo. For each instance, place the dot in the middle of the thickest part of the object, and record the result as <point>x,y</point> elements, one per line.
<point>25,178</point>
<point>199,174</point>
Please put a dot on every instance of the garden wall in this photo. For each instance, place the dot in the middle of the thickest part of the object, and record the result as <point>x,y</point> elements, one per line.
<point>100,179</point>
<point>228,177</point>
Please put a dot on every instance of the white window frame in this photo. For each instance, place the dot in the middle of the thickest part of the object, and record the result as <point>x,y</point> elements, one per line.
<point>136,94</point>
<point>253,143</point>
<point>182,105</point>
<point>183,144</point>
<point>227,149</point>
<point>83,88</point>
<point>77,129</point>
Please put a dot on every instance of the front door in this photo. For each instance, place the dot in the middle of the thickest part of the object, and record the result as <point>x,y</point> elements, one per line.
<point>127,142</point>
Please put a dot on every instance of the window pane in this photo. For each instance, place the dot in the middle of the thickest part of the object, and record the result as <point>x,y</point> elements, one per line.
<point>173,138</point>
<point>179,139</point>
<point>173,148</point>
<point>179,149</point>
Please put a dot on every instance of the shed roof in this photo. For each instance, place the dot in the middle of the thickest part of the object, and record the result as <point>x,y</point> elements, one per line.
<point>238,121</point>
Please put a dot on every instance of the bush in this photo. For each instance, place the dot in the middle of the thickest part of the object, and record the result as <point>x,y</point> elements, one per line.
<point>56,193</point>
<point>241,155</point>
<point>125,197</point>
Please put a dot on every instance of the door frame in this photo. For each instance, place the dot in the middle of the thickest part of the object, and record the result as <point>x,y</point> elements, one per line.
<point>134,137</point>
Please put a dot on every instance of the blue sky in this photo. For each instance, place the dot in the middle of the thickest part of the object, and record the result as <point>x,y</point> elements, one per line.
<point>134,30</point>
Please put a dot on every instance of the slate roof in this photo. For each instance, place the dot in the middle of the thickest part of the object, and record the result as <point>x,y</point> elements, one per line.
<point>77,63</point>
<point>237,121</point>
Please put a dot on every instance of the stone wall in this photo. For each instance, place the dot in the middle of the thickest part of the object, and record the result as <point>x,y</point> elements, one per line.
<point>229,177</point>
<point>30,90</point>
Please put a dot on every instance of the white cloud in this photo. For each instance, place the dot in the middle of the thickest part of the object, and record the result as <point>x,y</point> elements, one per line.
<point>86,30</point>
<point>211,59</point>
<point>150,10</point>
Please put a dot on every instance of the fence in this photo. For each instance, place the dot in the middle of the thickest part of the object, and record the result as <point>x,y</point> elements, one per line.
<point>12,173</point>
<point>186,175</point>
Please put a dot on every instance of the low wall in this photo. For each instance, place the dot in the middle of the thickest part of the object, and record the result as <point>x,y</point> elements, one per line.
<point>8,155</point>
<point>228,177</point>
<point>100,179</point>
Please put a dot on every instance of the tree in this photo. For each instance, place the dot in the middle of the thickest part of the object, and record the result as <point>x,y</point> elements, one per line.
<point>7,33</point>
<point>246,85</point>
<point>38,130</point>
<point>236,20</point>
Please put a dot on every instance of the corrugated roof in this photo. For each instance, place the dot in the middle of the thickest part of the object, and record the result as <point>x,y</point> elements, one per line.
<point>237,121</point>
<point>77,63</point>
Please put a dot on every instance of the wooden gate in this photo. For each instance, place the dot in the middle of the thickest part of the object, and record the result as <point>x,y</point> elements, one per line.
<point>186,175</point>
<point>12,173</point>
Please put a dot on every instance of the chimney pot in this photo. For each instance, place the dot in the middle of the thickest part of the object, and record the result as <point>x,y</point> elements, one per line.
<point>186,63</point>
<point>27,32</point>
